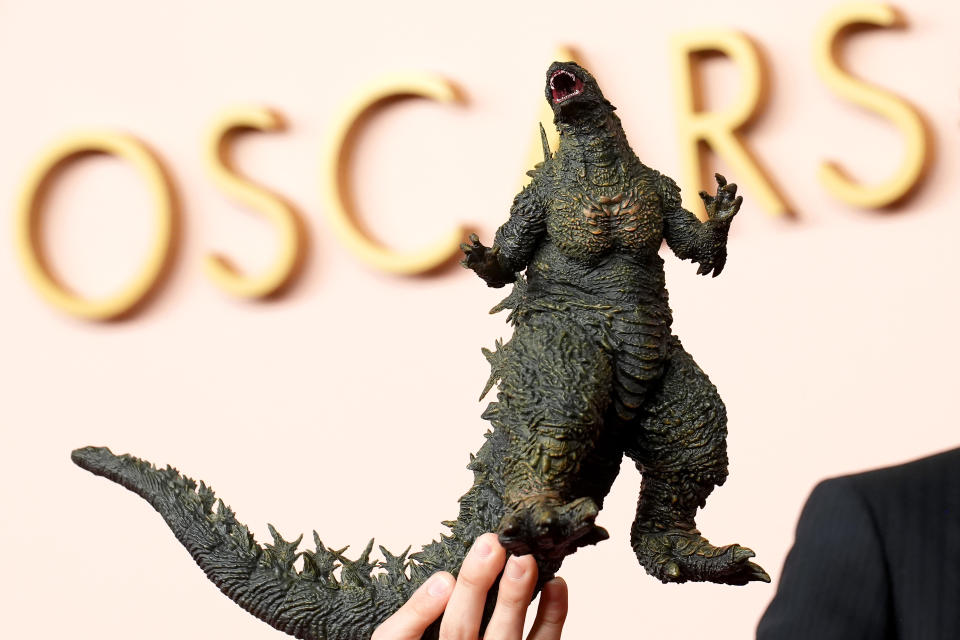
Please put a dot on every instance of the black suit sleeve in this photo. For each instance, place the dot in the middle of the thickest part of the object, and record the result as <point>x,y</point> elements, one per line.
<point>834,582</point>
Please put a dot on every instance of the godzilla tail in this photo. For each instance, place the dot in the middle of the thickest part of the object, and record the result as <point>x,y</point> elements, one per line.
<point>311,603</point>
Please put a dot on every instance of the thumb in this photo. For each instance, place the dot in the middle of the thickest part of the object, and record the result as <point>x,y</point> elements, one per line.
<point>424,606</point>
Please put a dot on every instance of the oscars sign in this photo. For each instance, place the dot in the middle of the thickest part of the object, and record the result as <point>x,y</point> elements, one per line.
<point>718,130</point>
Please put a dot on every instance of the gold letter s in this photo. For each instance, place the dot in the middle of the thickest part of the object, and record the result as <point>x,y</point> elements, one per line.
<point>886,104</point>
<point>27,223</point>
<point>335,170</point>
<point>280,213</point>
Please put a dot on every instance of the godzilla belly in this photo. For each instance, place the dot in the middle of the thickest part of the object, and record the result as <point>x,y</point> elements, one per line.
<point>633,340</point>
<point>620,302</point>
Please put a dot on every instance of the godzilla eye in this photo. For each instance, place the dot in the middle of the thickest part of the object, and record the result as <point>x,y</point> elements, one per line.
<point>564,85</point>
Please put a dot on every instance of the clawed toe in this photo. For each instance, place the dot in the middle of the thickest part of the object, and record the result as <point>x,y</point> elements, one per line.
<point>757,573</point>
<point>742,553</point>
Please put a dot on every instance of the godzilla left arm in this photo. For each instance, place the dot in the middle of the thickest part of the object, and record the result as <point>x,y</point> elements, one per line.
<point>691,239</point>
<point>514,244</point>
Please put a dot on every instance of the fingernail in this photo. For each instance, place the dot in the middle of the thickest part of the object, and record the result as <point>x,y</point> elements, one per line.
<point>514,569</point>
<point>438,586</point>
<point>482,548</point>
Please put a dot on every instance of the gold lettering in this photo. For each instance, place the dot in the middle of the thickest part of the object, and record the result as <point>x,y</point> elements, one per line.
<point>280,213</point>
<point>336,169</point>
<point>28,220</point>
<point>838,22</point>
<point>718,128</point>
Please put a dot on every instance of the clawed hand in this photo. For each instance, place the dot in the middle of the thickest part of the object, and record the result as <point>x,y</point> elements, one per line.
<point>725,205</point>
<point>461,601</point>
<point>485,261</point>
<point>476,255</point>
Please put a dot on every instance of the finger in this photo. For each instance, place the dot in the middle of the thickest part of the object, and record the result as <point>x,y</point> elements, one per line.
<point>516,592</point>
<point>461,620</point>
<point>466,248</point>
<point>706,197</point>
<point>474,238</point>
<point>720,179</point>
<point>738,202</point>
<point>731,209</point>
<point>424,606</point>
<point>552,611</point>
<point>731,189</point>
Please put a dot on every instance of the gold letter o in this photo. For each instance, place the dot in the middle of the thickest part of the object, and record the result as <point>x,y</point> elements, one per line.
<point>27,223</point>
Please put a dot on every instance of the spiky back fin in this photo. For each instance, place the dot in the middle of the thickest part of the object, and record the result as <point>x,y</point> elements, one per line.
<point>546,143</point>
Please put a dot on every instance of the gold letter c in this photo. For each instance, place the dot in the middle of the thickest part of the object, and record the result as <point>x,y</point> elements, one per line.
<point>335,170</point>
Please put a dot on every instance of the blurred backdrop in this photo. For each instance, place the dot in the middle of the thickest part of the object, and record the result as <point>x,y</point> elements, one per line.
<point>347,402</point>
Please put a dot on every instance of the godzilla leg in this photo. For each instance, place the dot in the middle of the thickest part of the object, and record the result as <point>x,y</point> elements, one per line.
<point>679,444</point>
<point>554,389</point>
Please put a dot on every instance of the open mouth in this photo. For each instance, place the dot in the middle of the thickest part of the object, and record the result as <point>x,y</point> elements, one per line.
<point>564,85</point>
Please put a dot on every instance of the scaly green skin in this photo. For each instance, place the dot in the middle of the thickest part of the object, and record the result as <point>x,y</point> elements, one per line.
<point>591,373</point>
<point>593,370</point>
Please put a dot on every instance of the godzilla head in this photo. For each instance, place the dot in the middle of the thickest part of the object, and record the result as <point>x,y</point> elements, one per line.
<point>573,93</point>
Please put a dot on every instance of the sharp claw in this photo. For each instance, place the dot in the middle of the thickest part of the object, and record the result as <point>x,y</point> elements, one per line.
<point>672,569</point>
<point>757,573</point>
<point>511,526</point>
<point>547,520</point>
<point>742,553</point>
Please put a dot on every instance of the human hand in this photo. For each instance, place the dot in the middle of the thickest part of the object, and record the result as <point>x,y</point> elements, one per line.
<point>462,601</point>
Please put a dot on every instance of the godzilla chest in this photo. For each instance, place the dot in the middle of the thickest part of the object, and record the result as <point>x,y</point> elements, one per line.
<point>590,226</point>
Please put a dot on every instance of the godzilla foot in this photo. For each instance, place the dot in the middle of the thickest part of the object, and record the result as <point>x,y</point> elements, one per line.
<point>543,526</point>
<point>679,556</point>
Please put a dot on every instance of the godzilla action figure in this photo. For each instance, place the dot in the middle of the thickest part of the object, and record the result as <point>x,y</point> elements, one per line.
<point>591,373</point>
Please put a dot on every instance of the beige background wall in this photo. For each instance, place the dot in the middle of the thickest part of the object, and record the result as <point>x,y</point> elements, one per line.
<point>349,405</point>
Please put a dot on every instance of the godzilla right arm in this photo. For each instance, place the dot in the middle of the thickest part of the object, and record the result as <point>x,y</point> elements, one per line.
<point>514,243</point>
<point>703,242</point>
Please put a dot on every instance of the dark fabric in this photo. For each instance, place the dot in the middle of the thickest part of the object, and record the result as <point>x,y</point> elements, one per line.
<point>877,555</point>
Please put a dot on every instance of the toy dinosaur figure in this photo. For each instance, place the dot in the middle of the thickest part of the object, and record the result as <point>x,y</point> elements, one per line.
<point>591,373</point>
